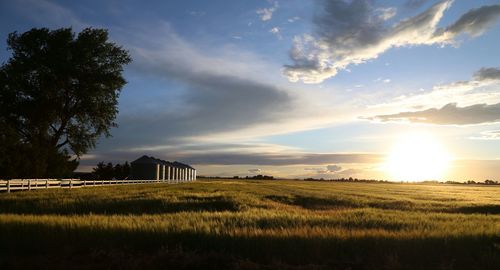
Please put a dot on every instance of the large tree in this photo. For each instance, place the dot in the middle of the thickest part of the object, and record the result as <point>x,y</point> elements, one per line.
<point>58,94</point>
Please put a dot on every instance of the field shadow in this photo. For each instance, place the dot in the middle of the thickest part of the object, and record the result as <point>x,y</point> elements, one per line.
<point>318,203</point>
<point>492,209</point>
<point>135,247</point>
<point>129,206</point>
<point>312,203</point>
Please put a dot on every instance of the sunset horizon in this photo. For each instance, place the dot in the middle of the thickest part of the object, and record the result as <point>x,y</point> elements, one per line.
<point>269,87</point>
<point>263,134</point>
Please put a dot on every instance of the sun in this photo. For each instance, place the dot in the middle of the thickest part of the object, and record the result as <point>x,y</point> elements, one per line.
<point>417,157</point>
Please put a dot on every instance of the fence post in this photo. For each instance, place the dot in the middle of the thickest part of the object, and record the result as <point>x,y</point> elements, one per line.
<point>46,183</point>
<point>84,183</point>
<point>70,184</point>
<point>8,186</point>
<point>29,184</point>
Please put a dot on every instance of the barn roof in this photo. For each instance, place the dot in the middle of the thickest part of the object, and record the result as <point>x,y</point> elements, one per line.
<point>146,160</point>
<point>152,160</point>
<point>182,165</point>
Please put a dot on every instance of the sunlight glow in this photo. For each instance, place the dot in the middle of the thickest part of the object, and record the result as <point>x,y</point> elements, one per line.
<point>417,157</point>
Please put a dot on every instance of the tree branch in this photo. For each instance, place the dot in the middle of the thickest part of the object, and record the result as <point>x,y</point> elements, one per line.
<point>62,144</point>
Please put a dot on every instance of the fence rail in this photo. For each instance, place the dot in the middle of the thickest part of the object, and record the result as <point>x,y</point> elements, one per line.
<point>32,184</point>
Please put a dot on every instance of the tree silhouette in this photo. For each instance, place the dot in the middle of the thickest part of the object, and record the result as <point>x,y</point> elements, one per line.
<point>107,171</point>
<point>58,95</point>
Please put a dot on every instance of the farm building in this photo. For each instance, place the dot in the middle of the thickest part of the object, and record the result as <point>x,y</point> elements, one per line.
<point>147,168</point>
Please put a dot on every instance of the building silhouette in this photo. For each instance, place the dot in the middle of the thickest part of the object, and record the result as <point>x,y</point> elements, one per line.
<point>150,168</point>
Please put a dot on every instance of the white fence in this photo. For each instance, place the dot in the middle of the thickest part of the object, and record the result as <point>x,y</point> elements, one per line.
<point>31,184</point>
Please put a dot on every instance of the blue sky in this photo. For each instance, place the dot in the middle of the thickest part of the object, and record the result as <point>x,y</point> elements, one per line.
<point>293,88</point>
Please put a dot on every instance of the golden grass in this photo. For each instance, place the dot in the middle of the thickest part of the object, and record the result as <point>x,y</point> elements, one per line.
<point>295,222</point>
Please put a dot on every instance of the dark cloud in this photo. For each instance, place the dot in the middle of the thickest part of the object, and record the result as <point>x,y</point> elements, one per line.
<point>333,168</point>
<point>211,156</point>
<point>475,21</point>
<point>213,104</point>
<point>327,170</point>
<point>352,32</point>
<point>355,173</point>
<point>414,3</point>
<point>354,21</point>
<point>449,114</point>
<point>487,74</point>
<point>278,159</point>
<point>214,98</point>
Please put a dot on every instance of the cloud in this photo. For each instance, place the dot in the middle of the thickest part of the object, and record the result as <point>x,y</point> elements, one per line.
<point>386,13</point>
<point>333,168</point>
<point>217,92</point>
<point>474,23</point>
<point>254,171</point>
<point>314,169</point>
<point>48,14</point>
<point>353,32</point>
<point>488,135</point>
<point>266,14</point>
<point>482,88</point>
<point>276,31</point>
<point>414,3</point>
<point>197,13</point>
<point>349,173</point>
<point>328,170</point>
<point>487,74</point>
<point>449,114</point>
<point>236,154</point>
<point>294,19</point>
<point>280,159</point>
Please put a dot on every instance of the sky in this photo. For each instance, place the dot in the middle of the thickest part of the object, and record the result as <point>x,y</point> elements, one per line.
<point>297,88</point>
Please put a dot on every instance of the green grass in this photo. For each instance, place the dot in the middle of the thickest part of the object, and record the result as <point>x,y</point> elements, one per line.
<point>253,224</point>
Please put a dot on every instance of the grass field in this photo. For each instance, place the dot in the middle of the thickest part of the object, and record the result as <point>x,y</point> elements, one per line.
<point>224,224</point>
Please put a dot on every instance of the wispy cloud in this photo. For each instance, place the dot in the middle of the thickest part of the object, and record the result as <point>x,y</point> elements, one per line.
<point>276,31</point>
<point>385,13</point>
<point>210,82</point>
<point>414,3</point>
<point>487,135</point>
<point>48,13</point>
<point>266,14</point>
<point>280,159</point>
<point>353,32</point>
<point>450,114</point>
<point>293,19</point>
<point>254,171</point>
<point>482,88</point>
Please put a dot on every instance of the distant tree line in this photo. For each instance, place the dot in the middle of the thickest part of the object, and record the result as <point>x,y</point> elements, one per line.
<point>107,171</point>
<point>350,179</point>
<point>256,177</point>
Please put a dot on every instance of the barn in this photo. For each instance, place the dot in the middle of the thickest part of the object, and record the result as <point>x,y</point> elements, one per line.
<point>150,168</point>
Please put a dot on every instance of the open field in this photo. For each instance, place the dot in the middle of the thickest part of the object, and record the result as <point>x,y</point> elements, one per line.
<point>226,224</point>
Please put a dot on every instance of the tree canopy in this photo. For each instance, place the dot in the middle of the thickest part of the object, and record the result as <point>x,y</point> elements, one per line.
<point>58,94</point>
<point>107,171</point>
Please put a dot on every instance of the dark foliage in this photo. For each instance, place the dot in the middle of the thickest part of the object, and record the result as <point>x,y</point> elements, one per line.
<point>260,177</point>
<point>58,95</point>
<point>107,171</point>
